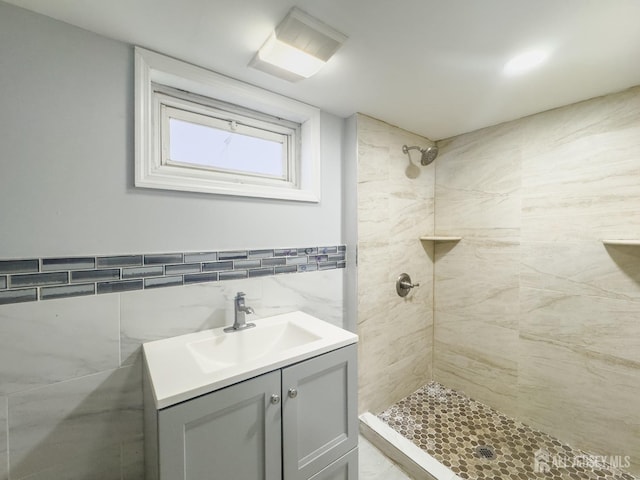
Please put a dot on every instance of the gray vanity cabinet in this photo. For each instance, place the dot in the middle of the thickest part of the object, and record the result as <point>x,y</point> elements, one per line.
<point>295,423</point>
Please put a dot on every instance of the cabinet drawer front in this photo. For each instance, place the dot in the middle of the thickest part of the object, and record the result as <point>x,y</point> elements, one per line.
<point>231,433</point>
<point>320,421</point>
<point>345,468</point>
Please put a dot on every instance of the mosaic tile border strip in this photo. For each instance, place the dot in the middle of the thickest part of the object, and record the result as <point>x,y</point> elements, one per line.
<point>29,280</point>
<point>480,443</point>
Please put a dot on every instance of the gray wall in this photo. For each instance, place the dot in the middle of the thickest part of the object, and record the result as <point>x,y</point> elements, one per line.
<point>349,219</point>
<point>70,376</point>
<point>67,160</point>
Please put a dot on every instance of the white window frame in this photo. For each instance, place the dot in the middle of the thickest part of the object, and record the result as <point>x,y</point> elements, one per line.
<point>252,104</point>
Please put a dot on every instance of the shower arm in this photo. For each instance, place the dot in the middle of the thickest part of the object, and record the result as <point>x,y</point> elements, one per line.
<point>406,149</point>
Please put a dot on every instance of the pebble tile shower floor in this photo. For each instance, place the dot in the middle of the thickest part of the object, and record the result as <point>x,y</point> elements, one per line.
<point>453,429</point>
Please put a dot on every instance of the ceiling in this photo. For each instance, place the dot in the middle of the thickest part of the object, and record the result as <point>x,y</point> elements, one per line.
<point>433,67</point>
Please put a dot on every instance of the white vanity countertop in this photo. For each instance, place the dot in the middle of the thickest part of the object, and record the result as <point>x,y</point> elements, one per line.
<point>184,367</point>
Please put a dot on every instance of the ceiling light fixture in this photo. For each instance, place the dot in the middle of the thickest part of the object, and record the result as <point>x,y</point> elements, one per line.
<point>524,62</point>
<point>298,48</point>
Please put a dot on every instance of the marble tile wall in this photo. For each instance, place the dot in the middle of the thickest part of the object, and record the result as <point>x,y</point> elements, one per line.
<point>76,429</point>
<point>395,207</point>
<point>70,369</point>
<point>478,197</point>
<point>56,341</point>
<point>534,315</point>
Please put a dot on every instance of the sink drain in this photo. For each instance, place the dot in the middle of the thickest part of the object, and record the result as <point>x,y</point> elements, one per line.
<point>486,452</point>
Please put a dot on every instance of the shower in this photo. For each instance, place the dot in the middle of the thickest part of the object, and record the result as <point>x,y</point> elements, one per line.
<point>429,154</point>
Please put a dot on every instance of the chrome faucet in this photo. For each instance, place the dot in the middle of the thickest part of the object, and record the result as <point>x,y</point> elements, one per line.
<point>240,310</point>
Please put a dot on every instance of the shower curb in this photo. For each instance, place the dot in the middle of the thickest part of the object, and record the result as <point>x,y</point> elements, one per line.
<point>411,458</point>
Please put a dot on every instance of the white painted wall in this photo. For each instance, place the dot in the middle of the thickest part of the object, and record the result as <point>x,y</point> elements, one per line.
<point>66,160</point>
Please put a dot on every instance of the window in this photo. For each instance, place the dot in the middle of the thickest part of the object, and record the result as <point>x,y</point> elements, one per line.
<point>225,142</point>
<point>200,131</point>
<point>222,145</point>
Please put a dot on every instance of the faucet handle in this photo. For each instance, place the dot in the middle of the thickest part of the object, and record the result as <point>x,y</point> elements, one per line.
<point>240,294</point>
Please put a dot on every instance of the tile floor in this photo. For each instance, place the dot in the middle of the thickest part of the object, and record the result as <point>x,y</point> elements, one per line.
<point>450,427</point>
<point>373,465</point>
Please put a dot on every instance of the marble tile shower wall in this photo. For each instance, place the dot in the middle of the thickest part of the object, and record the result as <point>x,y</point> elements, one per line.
<point>534,315</point>
<point>395,208</point>
<point>70,368</point>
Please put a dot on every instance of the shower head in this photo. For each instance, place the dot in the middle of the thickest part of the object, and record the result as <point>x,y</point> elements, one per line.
<point>429,154</point>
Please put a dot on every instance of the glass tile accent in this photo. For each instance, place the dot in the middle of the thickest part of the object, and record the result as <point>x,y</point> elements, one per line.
<point>200,277</point>
<point>246,264</point>
<point>297,260</point>
<point>236,274</point>
<point>260,272</point>
<point>18,296</point>
<point>120,261</point>
<point>287,269</point>
<point>217,266</point>
<point>48,293</point>
<point>260,253</point>
<point>200,257</point>
<point>140,272</point>
<point>286,252</point>
<point>63,277</point>
<point>236,255</point>
<point>123,286</point>
<point>269,262</point>
<point>327,265</point>
<point>162,258</point>
<point>95,275</point>
<point>76,263</point>
<point>162,282</point>
<point>38,279</point>
<point>19,266</point>
<point>183,268</point>
<point>311,267</point>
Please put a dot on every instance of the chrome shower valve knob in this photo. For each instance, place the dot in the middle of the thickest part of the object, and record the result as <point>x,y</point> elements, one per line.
<point>404,285</point>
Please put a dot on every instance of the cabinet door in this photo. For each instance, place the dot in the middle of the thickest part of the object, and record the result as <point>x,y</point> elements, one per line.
<point>233,433</point>
<point>319,422</point>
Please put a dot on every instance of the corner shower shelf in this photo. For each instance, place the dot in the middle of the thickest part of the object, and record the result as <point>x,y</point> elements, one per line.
<point>436,238</point>
<point>616,241</point>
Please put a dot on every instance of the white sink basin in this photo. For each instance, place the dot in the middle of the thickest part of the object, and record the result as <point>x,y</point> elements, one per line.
<point>184,367</point>
<point>227,349</point>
